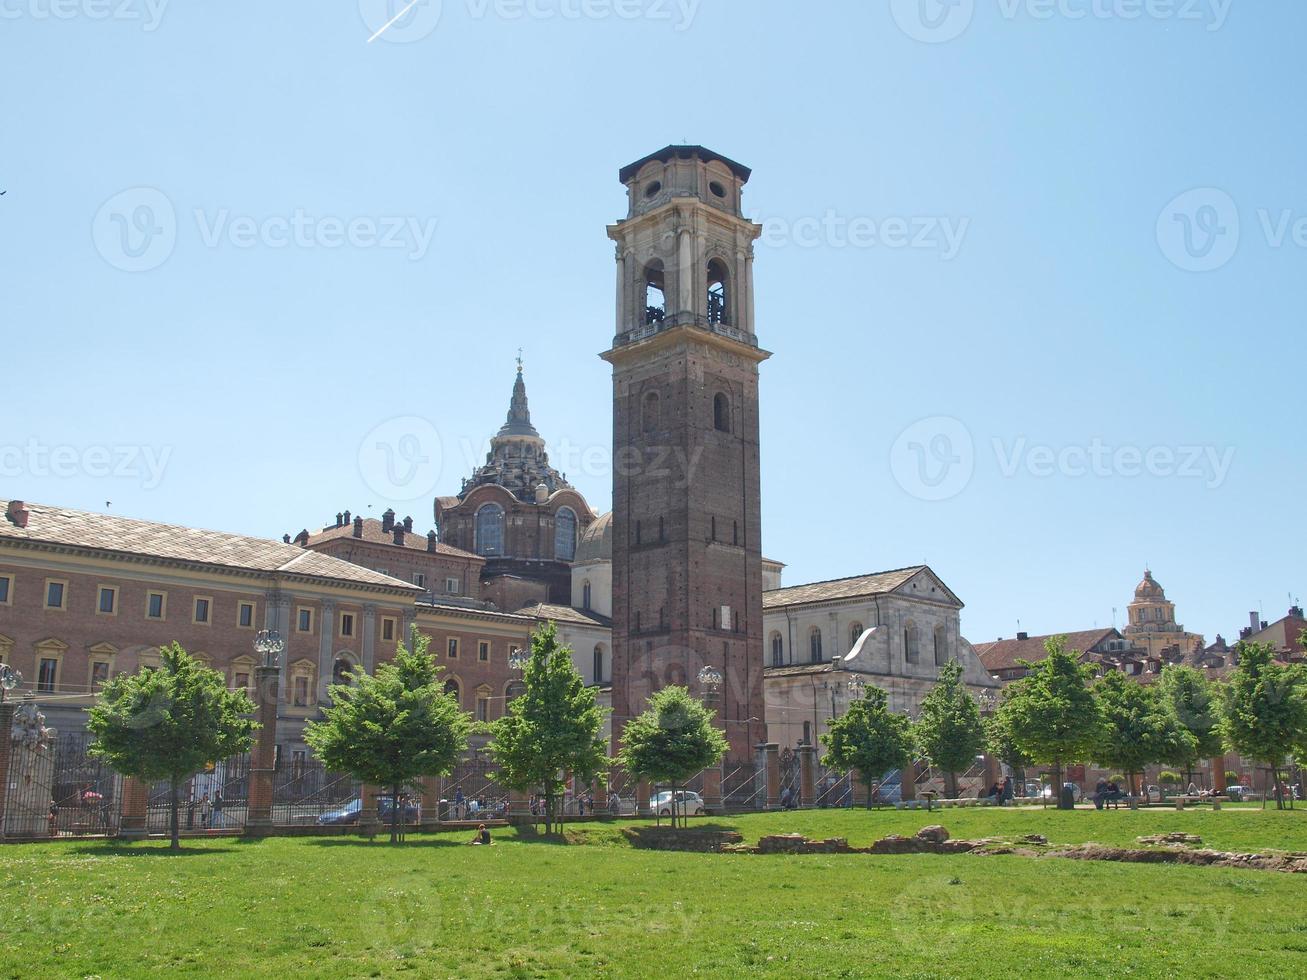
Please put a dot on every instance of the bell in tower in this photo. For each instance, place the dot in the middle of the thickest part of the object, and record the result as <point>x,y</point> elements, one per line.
<point>687,561</point>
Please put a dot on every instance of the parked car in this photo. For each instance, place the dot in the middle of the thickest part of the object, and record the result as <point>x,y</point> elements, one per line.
<point>349,813</point>
<point>687,803</point>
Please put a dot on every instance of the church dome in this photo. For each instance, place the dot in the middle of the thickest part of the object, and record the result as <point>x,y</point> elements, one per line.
<point>596,542</point>
<point>1149,588</point>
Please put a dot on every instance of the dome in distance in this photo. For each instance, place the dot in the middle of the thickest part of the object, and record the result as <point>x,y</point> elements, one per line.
<point>1149,588</point>
<point>596,542</point>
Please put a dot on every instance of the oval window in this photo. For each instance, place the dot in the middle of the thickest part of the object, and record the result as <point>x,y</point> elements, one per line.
<point>717,189</point>
<point>653,189</point>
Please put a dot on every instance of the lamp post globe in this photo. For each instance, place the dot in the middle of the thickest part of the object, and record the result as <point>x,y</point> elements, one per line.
<point>9,679</point>
<point>270,644</point>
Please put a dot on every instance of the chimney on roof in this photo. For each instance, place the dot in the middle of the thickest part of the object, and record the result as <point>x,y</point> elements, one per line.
<point>408,525</point>
<point>346,520</point>
<point>358,527</point>
<point>286,538</point>
<point>1255,620</point>
<point>1295,611</point>
<point>340,518</point>
<point>399,534</point>
<point>387,522</point>
<point>302,539</point>
<point>1023,636</point>
<point>431,541</point>
<point>18,513</point>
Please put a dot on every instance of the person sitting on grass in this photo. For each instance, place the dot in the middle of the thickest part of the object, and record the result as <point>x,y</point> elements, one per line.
<point>482,838</point>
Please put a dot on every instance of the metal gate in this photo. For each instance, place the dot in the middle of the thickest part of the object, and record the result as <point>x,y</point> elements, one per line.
<point>57,789</point>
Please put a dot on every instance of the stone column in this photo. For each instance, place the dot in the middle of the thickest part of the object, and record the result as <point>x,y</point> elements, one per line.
<point>684,273</point>
<point>908,781</point>
<point>642,793</point>
<point>621,291</point>
<point>712,789</point>
<point>430,786</point>
<point>772,752</point>
<point>369,634</point>
<point>326,649</point>
<point>368,821</point>
<point>6,748</point>
<point>807,775</point>
<point>993,771</point>
<point>1218,774</point>
<point>258,818</point>
<point>135,806</point>
<point>519,803</point>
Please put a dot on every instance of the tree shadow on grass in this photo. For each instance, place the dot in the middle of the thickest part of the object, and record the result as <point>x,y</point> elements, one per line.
<point>146,849</point>
<point>381,840</point>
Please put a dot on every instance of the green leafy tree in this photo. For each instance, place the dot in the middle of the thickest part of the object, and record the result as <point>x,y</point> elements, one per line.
<point>671,741</point>
<point>1264,709</point>
<point>1000,743</point>
<point>1139,727</point>
<point>868,739</point>
<point>168,722</point>
<point>1195,701</point>
<point>1052,713</point>
<point>948,729</point>
<point>392,727</point>
<point>554,728</point>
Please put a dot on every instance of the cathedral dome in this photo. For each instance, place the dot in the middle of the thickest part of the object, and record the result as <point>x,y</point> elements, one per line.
<point>1149,588</point>
<point>596,543</point>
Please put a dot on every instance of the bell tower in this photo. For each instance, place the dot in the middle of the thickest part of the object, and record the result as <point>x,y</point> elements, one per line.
<point>687,560</point>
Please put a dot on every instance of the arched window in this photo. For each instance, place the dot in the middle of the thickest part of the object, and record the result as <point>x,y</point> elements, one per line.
<point>451,687</point>
<point>514,690</point>
<point>777,650</point>
<point>565,534</point>
<point>941,646</point>
<point>912,643</point>
<point>490,530</point>
<point>600,667</point>
<point>655,299</point>
<point>340,670</point>
<point>718,299</point>
<point>585,595</point>
<point>855,632</point>
<point>814,645</point>
<point>650,415</point>
<point>721,412</point>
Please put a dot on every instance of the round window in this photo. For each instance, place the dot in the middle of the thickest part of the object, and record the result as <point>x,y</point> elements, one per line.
<point>717,189</point>
<point>653,189</point>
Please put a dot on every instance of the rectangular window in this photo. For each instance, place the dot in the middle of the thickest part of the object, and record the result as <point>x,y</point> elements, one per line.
<point>301,691</point>
<point>419,580</point>
<point>346,624</point>
<point>54,594</point>
<point>99,674</point>
<point>483,709</point>
<point>245,615</point>
<point>387,629</point>
<point>483,651</point>
<point>202,611</point>
<point>6,583</point>
<point>241,681</point>
<point>156,605</point>
<point>108,602</point>
<point>451,586</point>
<point>47,675</point>
<point>304,620</point>
<point>451,649</point>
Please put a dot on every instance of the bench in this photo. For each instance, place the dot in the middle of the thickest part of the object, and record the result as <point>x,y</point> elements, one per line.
<point>930,803</point>
<point>1182,801</point>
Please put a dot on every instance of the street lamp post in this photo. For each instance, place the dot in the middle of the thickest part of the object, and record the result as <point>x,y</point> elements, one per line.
<point>270,645</point>
<point>710,679</point>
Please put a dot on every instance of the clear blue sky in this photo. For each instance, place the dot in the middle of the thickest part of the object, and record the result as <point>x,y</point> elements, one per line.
<point>260,358</point>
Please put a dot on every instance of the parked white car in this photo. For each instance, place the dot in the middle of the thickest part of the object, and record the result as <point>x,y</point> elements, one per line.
<point>687,804</point>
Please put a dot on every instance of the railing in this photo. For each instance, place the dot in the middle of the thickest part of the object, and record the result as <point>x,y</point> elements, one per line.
<point>308,793</point>
<point>213,799</point>
<point>60,790</point>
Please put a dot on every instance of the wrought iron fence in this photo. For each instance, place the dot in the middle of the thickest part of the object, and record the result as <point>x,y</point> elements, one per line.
<point>470,792</point>
<point>216,798</point>
<point>306,793</point>
<point>744,786</point>
<point>59,790</point>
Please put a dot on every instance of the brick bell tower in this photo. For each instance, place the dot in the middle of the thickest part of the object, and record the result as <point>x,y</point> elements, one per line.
<point>687,560</point>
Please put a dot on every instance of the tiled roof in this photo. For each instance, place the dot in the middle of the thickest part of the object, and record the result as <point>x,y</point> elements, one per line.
<point>565,614</point>
<point>877,583</point>
<point>106,532</point>
<point>372,534</point>
<point>1004,654</point>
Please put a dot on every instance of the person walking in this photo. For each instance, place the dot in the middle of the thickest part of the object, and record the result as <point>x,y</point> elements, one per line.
<point>205,809</point>
<point>458,803</point>
<point>218,804</point>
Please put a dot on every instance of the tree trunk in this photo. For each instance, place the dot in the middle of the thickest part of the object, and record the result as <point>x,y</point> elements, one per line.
<point>1279,793</point>
<point>173,807</point>
<point>1057,783</point>
<point>951,784</point>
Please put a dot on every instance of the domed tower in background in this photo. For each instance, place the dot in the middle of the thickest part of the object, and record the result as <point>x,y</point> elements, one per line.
<point>519,513</point>
<point>1152,626</point>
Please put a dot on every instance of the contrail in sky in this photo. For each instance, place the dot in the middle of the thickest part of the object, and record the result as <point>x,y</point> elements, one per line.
<point>391,23</point>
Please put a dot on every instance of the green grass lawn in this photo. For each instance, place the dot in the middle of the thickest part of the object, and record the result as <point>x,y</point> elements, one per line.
<point>343,907</point>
